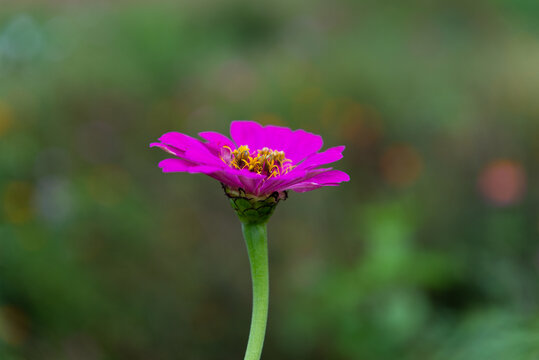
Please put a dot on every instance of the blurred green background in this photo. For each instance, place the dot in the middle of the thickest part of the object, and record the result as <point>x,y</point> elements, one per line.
<point>430,252</point>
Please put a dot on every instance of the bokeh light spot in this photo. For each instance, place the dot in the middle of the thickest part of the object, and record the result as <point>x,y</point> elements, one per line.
<point>17,202</point>
<point>363,126</point>
<point>401,165</point>
<point>21,39</point>
<point>13,325</point>
<point>53,200</point>
<point>502,182</point>
<point>6,117</point>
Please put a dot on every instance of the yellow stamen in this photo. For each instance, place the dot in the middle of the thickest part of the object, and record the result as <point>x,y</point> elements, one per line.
<point>266,162</point>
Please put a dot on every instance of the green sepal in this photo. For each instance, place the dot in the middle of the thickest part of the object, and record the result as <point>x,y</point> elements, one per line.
<point>253,209</point>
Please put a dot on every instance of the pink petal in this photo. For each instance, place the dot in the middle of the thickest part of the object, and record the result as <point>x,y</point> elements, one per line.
<point>170,149</point>
<point>223,175</point>
<point>247,133</point>
<point>230,180</point>
<point>216,140</point>
<point>279,182</point>
<point>203,156</point>
<point>328,178</point>
<point>179,140</point>
<point>175,165</point>
<point>330,155</point>
<point>297,144</point>
<point>188,148</point>
<point>250,185</point>
<point>293,178</point>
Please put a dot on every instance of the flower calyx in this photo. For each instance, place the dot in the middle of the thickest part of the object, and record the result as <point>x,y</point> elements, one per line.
<point>253,209</point>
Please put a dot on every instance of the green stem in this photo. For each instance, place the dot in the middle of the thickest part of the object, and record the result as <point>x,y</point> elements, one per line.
<point>256,239</point>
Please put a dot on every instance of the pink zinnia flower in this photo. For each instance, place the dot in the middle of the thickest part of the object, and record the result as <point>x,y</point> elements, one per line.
<point>256,168</point>
<point>259,160</point>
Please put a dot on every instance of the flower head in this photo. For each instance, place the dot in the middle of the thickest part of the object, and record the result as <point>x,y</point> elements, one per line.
<point>259,160</point>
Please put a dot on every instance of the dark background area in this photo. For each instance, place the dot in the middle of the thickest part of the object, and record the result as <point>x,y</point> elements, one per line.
<point>430,252</point>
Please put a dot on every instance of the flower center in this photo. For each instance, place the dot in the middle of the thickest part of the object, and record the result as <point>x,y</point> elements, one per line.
<point>264,161</point>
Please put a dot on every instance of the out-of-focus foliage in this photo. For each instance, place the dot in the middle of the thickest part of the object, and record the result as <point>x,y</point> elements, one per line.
<point>430,252</point>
